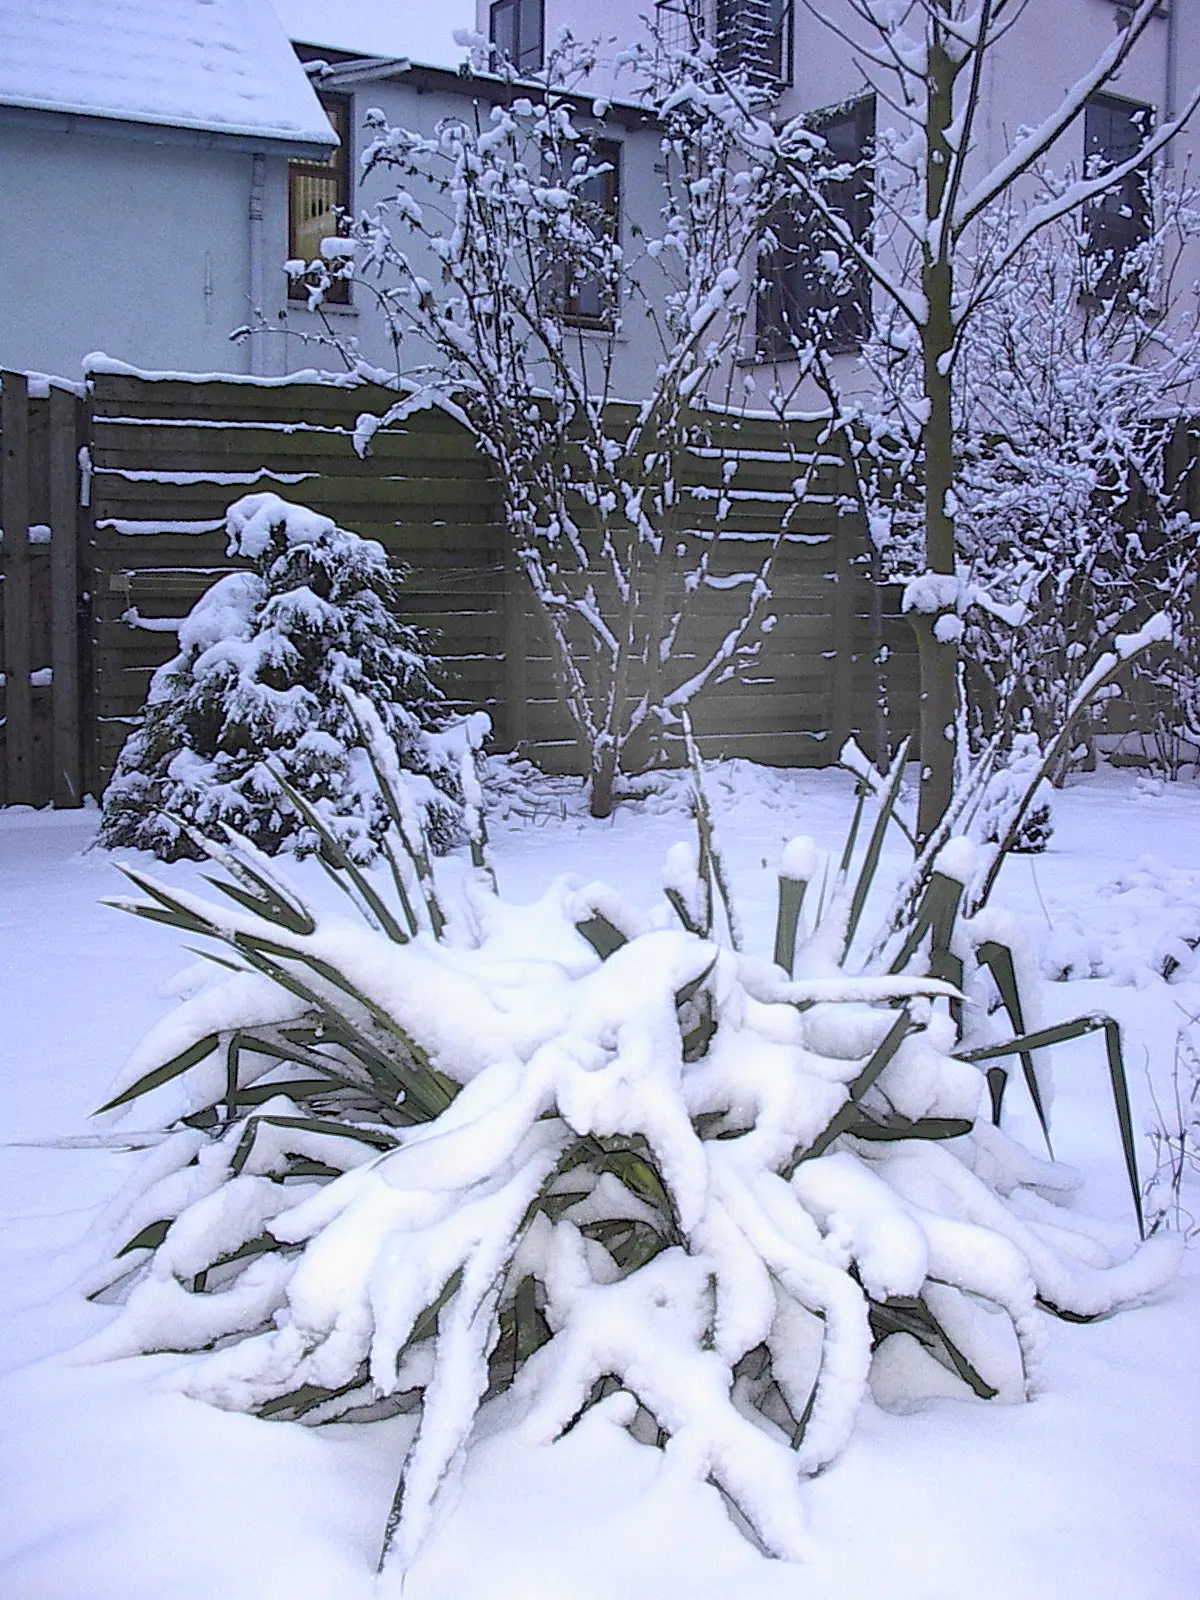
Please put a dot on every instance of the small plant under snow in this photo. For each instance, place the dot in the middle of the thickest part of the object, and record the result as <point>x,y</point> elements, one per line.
<point>264,658</point>
<point>564,1152</point>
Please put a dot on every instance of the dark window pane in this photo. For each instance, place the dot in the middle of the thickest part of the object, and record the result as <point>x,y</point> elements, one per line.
<point>504,29</point>
<point>529,43</point>
<point>799,296</point>
<point>588,303</point>
<point>1117,222</point>
<point>517,30</point>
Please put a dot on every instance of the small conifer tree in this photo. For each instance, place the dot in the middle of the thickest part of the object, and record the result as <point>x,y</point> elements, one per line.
<point>257,689</point>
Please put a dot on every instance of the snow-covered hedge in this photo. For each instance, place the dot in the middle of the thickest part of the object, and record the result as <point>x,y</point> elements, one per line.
<point>264,658</point>
<point>550,1156</point>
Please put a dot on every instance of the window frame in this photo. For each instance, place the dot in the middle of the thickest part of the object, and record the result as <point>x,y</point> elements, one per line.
<point>790,293</point>
<point>609,205</point>
<point>1120,220</point>
<point>338,108</point>
<point>528,55</point>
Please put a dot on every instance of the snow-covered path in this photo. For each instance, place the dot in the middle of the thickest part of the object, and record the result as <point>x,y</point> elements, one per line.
<point>114,1488</point>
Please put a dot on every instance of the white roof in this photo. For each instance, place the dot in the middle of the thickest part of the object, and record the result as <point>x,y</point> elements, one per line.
<point>422,30</point>
<point>220,66</point>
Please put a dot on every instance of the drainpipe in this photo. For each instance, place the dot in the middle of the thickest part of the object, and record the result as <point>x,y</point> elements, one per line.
<point>258,288</point>
<point>1171,87</point>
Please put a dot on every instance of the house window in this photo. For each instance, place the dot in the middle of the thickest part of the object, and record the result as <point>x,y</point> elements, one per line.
<point>589,304</point>
<point>755,37</point>
<point>799,298</point>
<point>1117,222</point>
<point>518,33</point>
<point>679,25</point>
<point>318,193</point>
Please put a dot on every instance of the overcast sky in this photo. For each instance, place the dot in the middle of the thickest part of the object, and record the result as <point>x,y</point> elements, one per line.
<point>423,30</point>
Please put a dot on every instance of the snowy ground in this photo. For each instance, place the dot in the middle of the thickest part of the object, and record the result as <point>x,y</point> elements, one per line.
<point>114,1488</point>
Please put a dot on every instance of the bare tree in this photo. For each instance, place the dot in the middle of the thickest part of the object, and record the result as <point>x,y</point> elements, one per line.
<point>935,266</point>
<point>516,322</point>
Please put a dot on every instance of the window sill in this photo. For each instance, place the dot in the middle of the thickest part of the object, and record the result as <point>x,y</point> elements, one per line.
<point>331,308</point>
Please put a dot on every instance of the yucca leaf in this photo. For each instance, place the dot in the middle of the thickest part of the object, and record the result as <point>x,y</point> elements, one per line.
<point>298,1089</point>
<point>244,862</point>
<point>603,936</point>
<point>151,1236</point>
<point>693,987</point>
<point>936,914</point>
<point>910,1314</point>
<point>1061,1033</point>
<point>436,1090</point>
<point>997,1082</point>
<point>532,1329</point>
<point>308,1397</point>
<point>338,866</point>
<point>870,863</point>
<point>246,898</point>
<point>260,1246</point>
<point>860,800</point>
<point>998,958</point>
<point>842,1120</point>
<point>680,907</point>
<point>1120,1091</point>
<point>418,853</point>
<point>787,920</point>
<point>375,1137</point>
<point>897,1127</point>
<point>169,1069</point>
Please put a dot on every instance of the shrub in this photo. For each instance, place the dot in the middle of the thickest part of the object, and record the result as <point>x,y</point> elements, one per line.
<point>554,1156</point>
<point>263,659</point>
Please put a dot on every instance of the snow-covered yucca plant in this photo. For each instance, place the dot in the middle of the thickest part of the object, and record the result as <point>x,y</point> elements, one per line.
<point>539,1156</point>
<point>255,692</point>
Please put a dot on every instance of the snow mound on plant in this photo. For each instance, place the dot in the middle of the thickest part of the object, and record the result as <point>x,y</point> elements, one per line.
<point>568,1156</point>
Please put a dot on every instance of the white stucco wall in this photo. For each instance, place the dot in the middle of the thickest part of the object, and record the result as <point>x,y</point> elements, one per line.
<point>121,244</point>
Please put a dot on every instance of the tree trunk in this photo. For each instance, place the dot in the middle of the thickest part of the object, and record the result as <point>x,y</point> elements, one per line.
<point>602,778</point>
<point>937,657</point>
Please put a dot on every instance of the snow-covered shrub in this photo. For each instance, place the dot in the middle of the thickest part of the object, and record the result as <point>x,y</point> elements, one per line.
<point>1006,790</point>
<point>539,1156</point>
<point>256,691</point>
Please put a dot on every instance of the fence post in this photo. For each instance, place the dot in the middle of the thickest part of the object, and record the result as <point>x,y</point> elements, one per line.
<point>842,696</point>
<point>516,629</point>
<point>14,519</point>
<point>67,744</point>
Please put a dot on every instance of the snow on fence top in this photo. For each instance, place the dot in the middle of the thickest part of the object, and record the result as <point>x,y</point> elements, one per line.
<point>217,66</point>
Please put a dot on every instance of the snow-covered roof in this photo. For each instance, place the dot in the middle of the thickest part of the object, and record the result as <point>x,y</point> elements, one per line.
<point>389,28</point>
<point>218,66</point>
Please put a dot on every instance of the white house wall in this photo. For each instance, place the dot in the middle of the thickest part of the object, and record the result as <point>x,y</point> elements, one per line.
<point>123,245</point>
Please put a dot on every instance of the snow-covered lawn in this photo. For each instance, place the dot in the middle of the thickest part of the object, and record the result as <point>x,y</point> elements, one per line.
<point>113,1486</point>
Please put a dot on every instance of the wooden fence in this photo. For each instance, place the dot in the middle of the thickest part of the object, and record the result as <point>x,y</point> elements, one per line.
<point>42,687</point>
<point>164,458</point>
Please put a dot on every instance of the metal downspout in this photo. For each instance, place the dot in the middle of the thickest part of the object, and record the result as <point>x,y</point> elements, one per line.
<point>1171,87</point>
<point>258,288</point>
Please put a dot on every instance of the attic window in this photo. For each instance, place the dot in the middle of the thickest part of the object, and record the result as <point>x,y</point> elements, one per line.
<point>318,194</point>
<point>1117,222</point>
<point>518,30</point>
